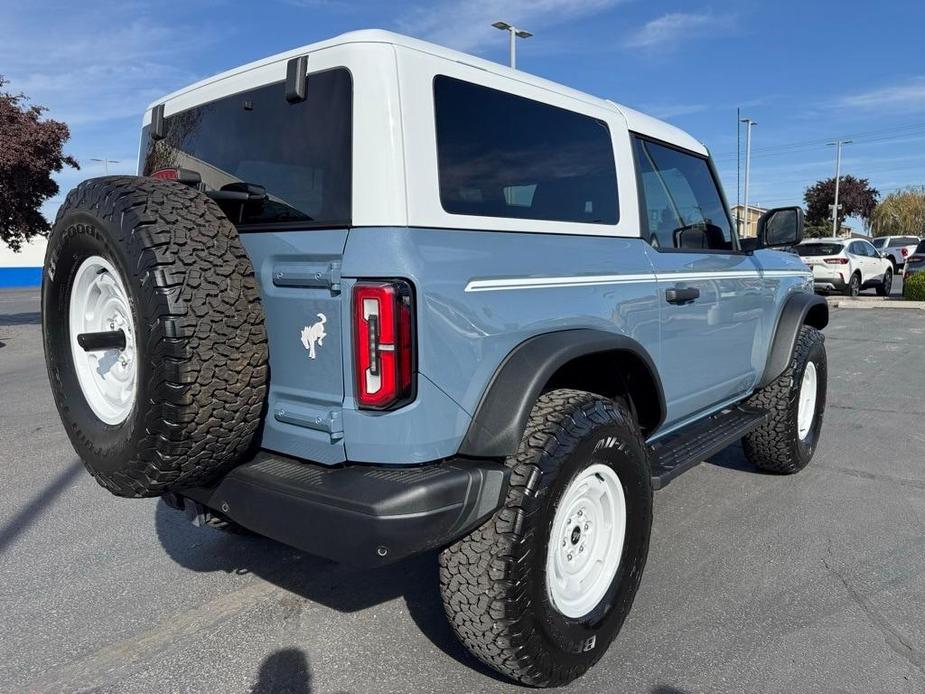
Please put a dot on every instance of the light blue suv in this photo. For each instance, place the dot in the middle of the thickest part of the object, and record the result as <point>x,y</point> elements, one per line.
<point>373,298</point>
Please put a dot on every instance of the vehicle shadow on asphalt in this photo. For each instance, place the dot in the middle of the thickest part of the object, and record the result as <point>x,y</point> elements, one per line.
<point>29,513</point>
<point>30,318</point>
<point>733,458</point>
<point>337,586</point>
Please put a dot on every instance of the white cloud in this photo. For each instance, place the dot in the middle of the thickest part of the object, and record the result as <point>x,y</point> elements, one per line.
<point>96,65</point>
<point>900,97</point>
<point>675,26</point>
<point>466,25</point>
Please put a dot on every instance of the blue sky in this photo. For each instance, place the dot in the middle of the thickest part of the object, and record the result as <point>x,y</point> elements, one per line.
<point>806,71</point>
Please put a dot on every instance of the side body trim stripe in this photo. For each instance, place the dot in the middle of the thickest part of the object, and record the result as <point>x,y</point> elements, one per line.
<point>503,283</point>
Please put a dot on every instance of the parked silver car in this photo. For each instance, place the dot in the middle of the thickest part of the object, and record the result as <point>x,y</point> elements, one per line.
<point>916,262</point>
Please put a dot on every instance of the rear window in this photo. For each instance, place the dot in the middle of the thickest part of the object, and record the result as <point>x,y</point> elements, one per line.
<point>300,152</point>
<point>501,155</point>
<point>879,243</point>
<point>921,247</point>
<point>810,249</point>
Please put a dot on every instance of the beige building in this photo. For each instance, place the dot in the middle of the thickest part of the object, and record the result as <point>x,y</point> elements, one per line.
<point>747,228</point>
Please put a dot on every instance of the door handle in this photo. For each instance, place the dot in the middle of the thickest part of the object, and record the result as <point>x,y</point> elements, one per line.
<point>681,295</point>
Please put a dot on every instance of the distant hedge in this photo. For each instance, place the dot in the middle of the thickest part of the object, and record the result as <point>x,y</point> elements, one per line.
<point>914,287</point>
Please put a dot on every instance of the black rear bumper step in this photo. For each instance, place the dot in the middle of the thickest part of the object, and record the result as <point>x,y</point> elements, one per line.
<point>688,447</point>
<point>358,514</point>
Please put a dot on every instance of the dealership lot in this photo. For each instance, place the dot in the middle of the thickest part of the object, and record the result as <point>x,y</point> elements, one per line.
<point>808,583</point>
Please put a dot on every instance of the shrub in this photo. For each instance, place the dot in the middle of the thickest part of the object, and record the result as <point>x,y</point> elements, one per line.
<point>914,287</point>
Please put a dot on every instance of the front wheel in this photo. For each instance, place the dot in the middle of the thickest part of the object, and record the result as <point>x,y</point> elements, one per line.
<point>795,402</point>
<point>541,589</point>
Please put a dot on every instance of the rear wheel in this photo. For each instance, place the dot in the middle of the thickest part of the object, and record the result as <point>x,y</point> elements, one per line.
<point>885,287</point>
<point>154,335</point>
<point>542,588</point>
<point>854,285</point>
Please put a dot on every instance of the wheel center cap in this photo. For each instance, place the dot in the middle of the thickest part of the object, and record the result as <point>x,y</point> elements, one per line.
<point>576,535</point>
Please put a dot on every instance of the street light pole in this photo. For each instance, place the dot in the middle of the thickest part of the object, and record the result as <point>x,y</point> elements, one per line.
<point>106,163</point>
<point>838,145</point>
<point>515,34</point>
<point>748,164</point>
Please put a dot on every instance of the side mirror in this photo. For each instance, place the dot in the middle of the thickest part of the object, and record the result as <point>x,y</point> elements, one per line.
<point>780,227</point>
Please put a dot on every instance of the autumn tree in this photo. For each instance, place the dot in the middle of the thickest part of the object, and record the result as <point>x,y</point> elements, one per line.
<point>30,151</point>
<point>900,213</point>
<point>856,198</point>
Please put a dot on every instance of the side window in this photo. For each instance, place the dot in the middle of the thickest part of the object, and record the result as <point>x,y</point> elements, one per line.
<point>854,248</point>
<point>870,250</point>
<point>683,206</point>
<point>501,155</point>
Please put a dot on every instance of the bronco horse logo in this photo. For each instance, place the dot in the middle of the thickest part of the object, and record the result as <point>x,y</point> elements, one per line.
<point>314,335</point>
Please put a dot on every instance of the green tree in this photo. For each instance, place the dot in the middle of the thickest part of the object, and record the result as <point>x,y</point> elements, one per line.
<point>856,198</point>
<point>30,151</point>
<point>817,231</point>
<point>900,213</point>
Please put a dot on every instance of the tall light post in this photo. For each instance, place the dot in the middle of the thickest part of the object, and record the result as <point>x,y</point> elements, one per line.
<point>838,145</point>
<point>515,34</point>
<point>106,163</point>
<point>749,123</point>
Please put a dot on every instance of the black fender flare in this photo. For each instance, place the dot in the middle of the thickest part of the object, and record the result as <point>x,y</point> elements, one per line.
<point>501,416</point>
<point>799,309</point>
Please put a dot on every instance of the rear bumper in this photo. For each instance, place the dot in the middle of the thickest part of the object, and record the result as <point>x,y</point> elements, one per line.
<point>360,514</point>
<point>830,279</point>
<point>830,285</point>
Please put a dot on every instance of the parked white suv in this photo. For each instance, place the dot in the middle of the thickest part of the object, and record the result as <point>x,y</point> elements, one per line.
<point>896,248</point>
<point>847,265</point>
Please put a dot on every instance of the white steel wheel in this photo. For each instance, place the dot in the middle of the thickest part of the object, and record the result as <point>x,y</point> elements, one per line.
<point>806,409</point>
<point>586,543</point>
<point>99,303</point>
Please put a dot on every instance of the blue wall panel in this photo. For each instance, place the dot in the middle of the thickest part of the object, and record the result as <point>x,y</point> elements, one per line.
<point>20,276</point>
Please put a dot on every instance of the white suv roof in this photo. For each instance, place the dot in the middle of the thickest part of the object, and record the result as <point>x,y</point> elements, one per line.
<point>636,121</point>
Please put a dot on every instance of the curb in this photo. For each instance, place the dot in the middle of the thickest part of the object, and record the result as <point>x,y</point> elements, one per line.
<point>870,302</point>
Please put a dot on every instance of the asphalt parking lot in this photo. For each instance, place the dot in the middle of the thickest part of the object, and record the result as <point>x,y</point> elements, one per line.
<point>755,583</point>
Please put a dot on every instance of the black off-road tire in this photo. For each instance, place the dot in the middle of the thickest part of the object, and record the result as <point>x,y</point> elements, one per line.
<point>776,446</point>
<point>493,581</point>
<point>201,343</point>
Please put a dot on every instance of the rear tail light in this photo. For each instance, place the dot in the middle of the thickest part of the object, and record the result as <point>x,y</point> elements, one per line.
<point>904,251</point>
<point>383,338</point>
<point>837,261</point>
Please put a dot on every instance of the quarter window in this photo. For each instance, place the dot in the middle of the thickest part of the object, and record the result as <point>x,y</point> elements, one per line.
<point>682,204</point>
<point>501,155</point>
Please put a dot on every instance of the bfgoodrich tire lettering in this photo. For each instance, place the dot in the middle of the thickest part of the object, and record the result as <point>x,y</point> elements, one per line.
<point>201,347</point>
<point>776,445</point>
<point>493,581</point>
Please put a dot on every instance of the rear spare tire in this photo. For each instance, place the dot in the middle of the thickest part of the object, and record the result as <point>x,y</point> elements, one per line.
<point>154,334</point>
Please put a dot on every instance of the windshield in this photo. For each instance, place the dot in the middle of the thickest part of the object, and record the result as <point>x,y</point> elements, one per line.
<point>920,248</point>
<point>820,249</point>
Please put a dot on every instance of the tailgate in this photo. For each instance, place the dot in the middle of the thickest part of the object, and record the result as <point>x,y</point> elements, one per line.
<point>299,276</point>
